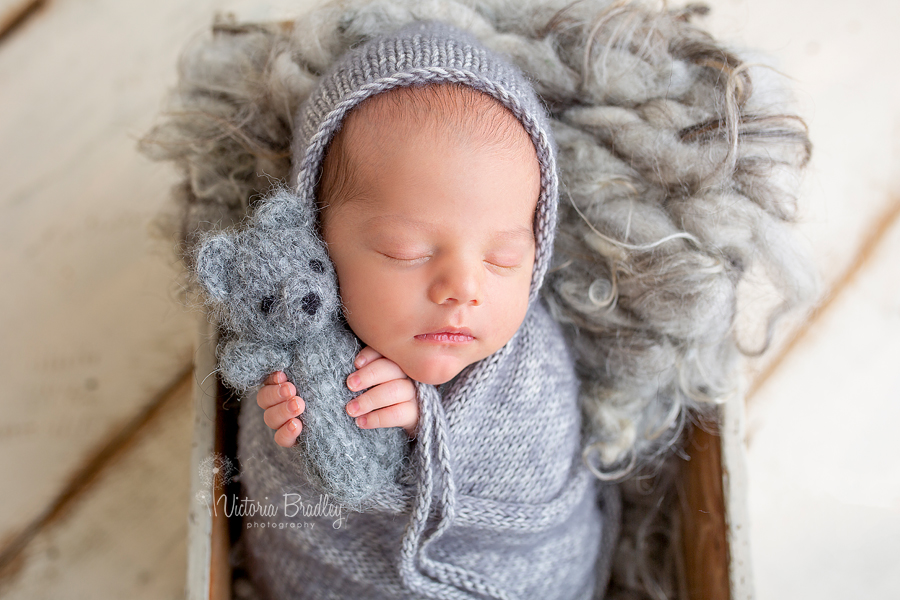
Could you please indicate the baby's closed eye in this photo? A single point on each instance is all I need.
(505, 259)
(509, 266)
(405, 258)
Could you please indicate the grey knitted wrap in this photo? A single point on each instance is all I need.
(499, 504)
(496, 501)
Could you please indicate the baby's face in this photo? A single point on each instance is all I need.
(435, 263)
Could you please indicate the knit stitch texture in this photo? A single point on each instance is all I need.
(502, 505)
(679, 169)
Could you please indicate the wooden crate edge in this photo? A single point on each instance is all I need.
(734, 485)
(200, 522)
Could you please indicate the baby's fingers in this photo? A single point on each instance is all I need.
(271, 394)
(280, 414)
(405, 415)
(286, 435)
(276, 377)
(365, 356)
(375, 372)
(391, 404)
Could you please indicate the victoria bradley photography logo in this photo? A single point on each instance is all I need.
(217, 471)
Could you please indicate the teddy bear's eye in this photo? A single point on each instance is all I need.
(266, 305)
(317, 266)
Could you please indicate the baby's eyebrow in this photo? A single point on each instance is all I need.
(400, 220)
(517, 233)
(520, 232)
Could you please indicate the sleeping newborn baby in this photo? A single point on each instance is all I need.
(431, 166)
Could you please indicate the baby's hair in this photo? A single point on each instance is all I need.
(457, 112)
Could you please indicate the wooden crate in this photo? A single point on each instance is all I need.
(714, 532)
(208, 572)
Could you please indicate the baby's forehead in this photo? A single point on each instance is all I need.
(407, 133)
(448, 111)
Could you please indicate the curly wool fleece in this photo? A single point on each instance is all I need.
(678, 163)
(273, 288)
(497, 462)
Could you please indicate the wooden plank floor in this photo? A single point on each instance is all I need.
(94, 425)
(125, 534)
(93, 331)
(824, 479)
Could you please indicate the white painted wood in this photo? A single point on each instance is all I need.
(125, 536)
(202, 447)
(91, 322)
(91, 327)
(11, 11)
(8, 7)
(734, 486)
(824, 479)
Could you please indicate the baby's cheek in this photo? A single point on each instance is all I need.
(363, 322)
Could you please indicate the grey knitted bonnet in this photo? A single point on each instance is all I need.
(426, 53)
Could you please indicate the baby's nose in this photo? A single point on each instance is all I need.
(459, 282)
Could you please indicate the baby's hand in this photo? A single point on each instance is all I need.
(391, 398)
(390, 403)
(282, 405)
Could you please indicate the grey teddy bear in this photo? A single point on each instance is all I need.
(273, 288)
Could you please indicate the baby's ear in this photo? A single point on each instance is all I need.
(283, 210)
(213, 261)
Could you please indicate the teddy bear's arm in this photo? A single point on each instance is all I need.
(244, 364)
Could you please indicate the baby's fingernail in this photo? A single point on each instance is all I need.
(280, 377)
(292, 425)
(360, 361)
(353, 407)
(294, 406)
(284, 392)
(353, 382)
(361, 421)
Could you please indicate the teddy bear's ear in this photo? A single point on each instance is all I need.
(214, 257)
(283, 209)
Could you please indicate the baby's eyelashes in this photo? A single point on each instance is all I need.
(406, 261)
(503, 267)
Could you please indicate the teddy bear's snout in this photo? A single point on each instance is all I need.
(310, 303)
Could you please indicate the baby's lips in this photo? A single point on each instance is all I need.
(445, 338)
(449, 329)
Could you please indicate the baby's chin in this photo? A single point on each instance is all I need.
(432, 371)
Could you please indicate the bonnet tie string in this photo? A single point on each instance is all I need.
(421, 573)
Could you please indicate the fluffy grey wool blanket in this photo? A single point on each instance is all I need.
(496, 502)
(679, 165)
